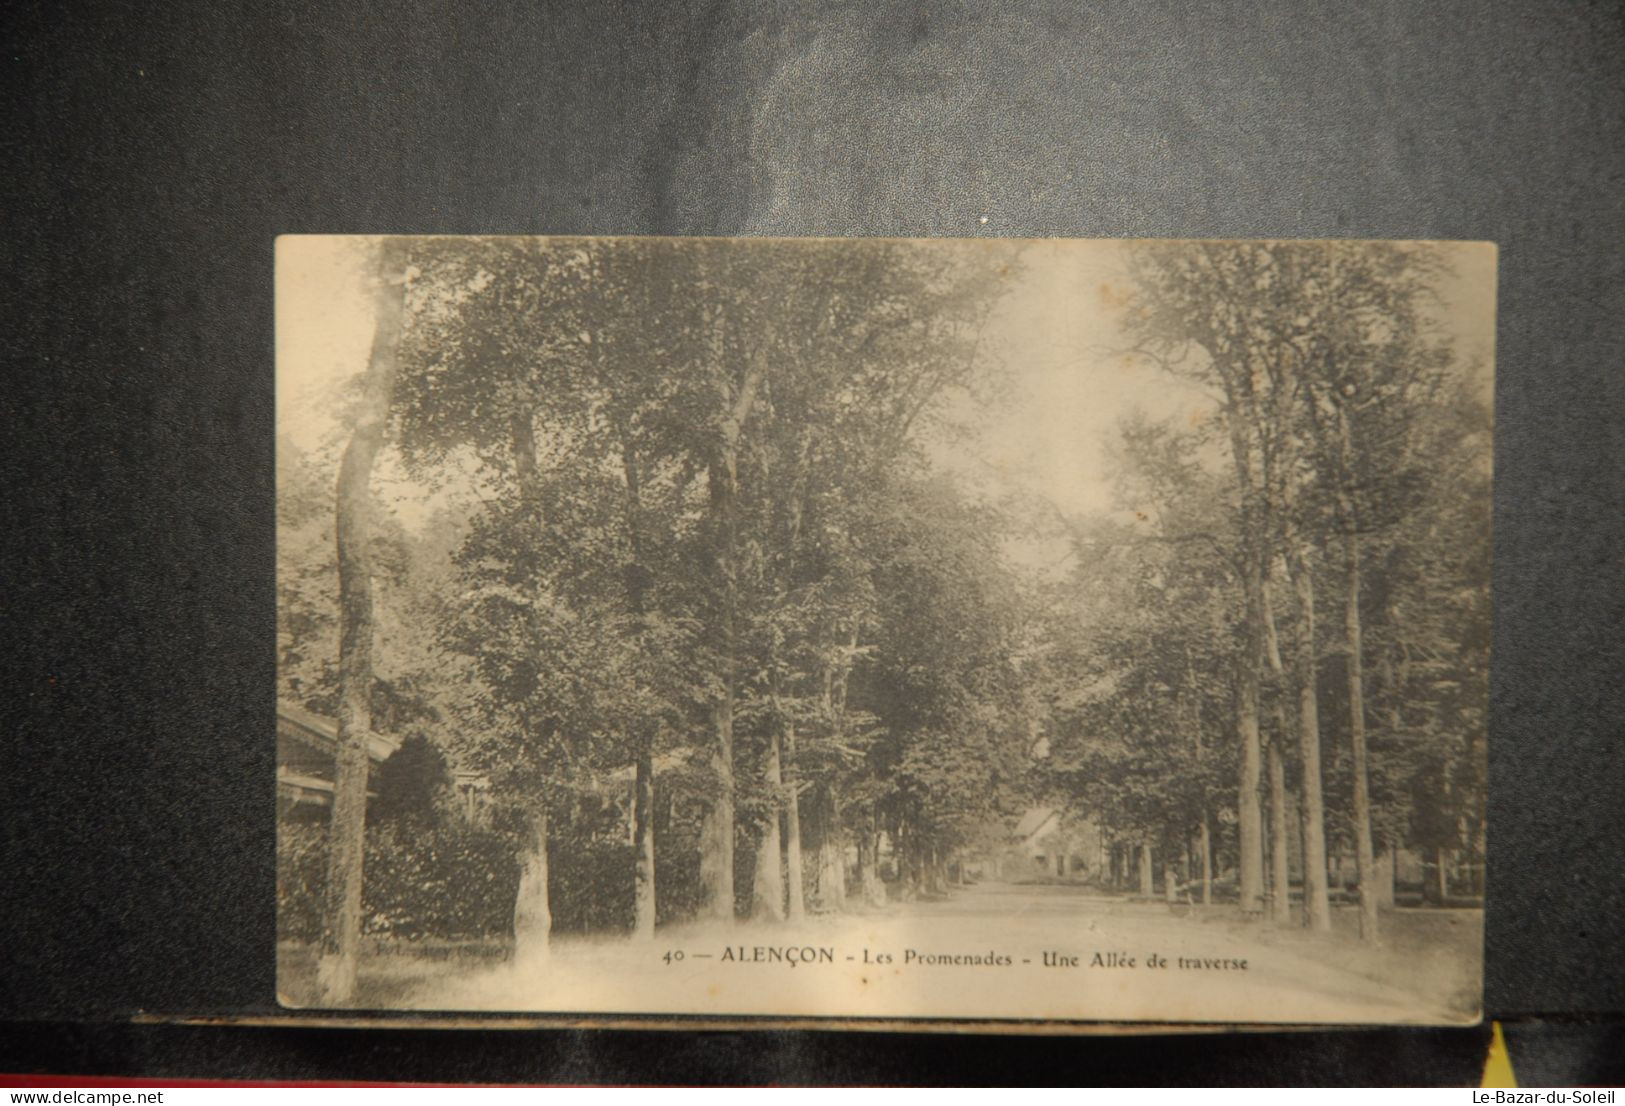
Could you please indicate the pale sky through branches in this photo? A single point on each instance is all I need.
(1056, 332)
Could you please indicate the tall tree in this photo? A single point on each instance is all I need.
(1316, 897)
(1233, 315)
(1206, 299)
(487, 367)
(341, 929)
(1369, 368)
(820, 363)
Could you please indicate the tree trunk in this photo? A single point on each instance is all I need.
(1316, 903)
(1146, 887)
(1207, 862)
(717, 831)
(868, 865)
(1280, 877)
(341, 922)
(532, 909)
(644, 907)
(874, 889)
(797, 908)
(1303, 857)
(717, 865)
(1248, 817)
(1364, 856)
(1480, 856)
(831, 847)
(767, 896)
(643, 847)
(1241, 417)
(1365, 859)
(831, 864)
(1170, 879)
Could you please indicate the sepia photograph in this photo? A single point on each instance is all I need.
(1041, 632)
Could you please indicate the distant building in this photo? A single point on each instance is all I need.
(1048, 842)
(306, 747)
(473, 792)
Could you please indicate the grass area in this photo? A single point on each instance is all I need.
(389, 971)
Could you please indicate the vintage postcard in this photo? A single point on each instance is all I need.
(1042, 631)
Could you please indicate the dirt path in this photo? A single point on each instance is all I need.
(994, 950)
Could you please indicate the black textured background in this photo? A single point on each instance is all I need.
(151, 152)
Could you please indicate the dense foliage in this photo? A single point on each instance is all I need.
(695, 599)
